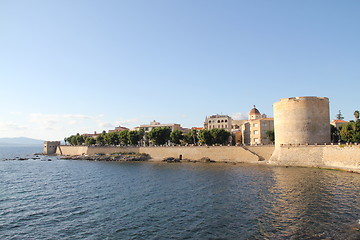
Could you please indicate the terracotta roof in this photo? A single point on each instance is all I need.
(339, 121)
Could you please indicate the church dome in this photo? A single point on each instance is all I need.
(254, 111)
(254, 114)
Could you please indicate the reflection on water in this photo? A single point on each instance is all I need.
(109, 200)
(313, 203)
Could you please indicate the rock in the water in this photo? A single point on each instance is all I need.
(171, 160)
(206, 160)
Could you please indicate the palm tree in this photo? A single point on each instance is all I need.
(356, 114)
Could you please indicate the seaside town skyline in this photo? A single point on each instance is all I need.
(86, 66)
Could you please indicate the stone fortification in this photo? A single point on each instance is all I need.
(302, 120)
(50, 147)
(263, 151)
(220, 153)
(85, 150)
(325, 156)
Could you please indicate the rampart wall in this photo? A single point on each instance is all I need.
(219, 153)
(324, 156)
(264, 151)
(85, 150)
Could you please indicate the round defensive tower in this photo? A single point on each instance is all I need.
(302, 120)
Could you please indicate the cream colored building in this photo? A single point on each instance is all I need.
(249, 132)
(154, 124)
(254, 130)
(218, 121)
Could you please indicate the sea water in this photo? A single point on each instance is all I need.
(69, 199)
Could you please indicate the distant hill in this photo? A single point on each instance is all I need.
(20, 141)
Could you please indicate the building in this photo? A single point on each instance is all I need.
(50, 147)
(236, 124)
(249, 132)
(93, 135)
(254, 130)
(218, 121)
(338, 123)
(154, 124)
(118, 129)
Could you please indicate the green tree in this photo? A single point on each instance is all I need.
(356, 114)
(335, 134)
(160, 135)
(134, 137)
(205, 137)
(111, 138)
(176, 136)
(80, 139)
(220, 135)
(270, 134)
(100, 140)
(72, 140)
(123, 137)
(141, 133)
(347, 132)
(90, 141)
(191, 137)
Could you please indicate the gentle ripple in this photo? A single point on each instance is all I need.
(65, 199)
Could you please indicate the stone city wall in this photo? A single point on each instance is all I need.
(218, 153)
(85, 150)
(264, 151)
(323, 156)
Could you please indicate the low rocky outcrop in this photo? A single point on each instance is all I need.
(171, 160)
(115, 157)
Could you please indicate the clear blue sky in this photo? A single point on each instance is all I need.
(80, 66)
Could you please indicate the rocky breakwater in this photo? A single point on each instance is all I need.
(116, 157)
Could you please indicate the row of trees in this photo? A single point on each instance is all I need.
(349, 132)
(114, 138)
(157, 136)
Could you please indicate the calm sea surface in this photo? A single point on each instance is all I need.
(63, 199)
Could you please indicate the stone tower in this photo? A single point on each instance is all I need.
(302, 120)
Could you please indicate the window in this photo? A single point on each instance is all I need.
(210, 121)
(225, 120)
(218, 121)
(264, 124)
(256, 132)
(256, 125)
(264, 132)
(256, 140)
